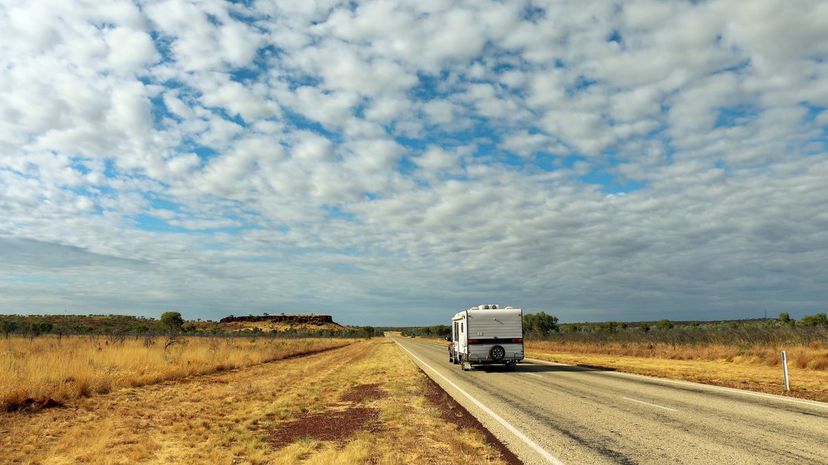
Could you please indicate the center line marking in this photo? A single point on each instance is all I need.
(540, 450)
(651, 405)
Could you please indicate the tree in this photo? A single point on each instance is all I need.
(172, 320)
(9, 327)
(36, 329)
(540, 323)
(785, 317)
(664, 324)
(820, 319)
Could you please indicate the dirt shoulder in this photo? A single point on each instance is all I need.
(364, 403)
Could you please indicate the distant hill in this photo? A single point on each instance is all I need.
(283, 322)
(125, 324)
(80, 324)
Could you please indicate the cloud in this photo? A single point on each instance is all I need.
(644, 160)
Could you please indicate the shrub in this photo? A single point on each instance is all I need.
(820, 319)
(172, 321)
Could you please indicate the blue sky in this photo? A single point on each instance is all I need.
(392, 162)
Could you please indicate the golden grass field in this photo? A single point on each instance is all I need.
(75, 366)
(755, 368)
(813, 356)
(372, 398)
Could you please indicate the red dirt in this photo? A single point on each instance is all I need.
(327, 426)
(305, 353)
(364, 393)
(452, 412)
(318, 320)
(34, 405)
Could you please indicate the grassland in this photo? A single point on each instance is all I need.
(64, 368)
(363, 403)
(754, 367)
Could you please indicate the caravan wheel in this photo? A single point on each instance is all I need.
(497, 353)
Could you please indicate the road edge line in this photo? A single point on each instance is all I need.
(532, 444)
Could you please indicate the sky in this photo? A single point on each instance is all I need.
(393, 162)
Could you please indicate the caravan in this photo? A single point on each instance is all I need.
(486, 334)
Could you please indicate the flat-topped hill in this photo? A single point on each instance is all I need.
(279, 323)
(311, 319)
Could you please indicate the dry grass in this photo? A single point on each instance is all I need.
(231, 418)
(756, 368)
(813, 356)
(70, 367)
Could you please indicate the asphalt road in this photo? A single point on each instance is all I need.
(549, 413)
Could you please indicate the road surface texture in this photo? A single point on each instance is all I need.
(549, 413)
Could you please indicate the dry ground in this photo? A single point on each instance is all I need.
(64, 368)
(743, 374)
(363, 403)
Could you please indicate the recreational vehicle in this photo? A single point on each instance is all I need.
(486, 334)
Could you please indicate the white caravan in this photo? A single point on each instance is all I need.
(486, 334)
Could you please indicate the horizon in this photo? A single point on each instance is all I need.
(333, 316)
(396, 161)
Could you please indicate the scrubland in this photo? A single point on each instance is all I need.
(813, 356)
(363, 403)
(747, 365)
(63, 368)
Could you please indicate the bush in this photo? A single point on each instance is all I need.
(540, 324)
(9, 327)
(172, 321)
(820, 319)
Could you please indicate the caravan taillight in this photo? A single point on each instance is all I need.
(473, 341)
(517, 339)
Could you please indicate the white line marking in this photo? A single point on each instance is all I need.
(651, 405)
(710, 387)
(540, 450)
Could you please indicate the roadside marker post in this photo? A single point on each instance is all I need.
(785, 370)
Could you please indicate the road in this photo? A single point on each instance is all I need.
(549, 413)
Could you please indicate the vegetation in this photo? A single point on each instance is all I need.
(534, 324)
(388, 416)
(427, 331)
(172, 321)
(63, 368)
(80, 324)
(169, 322)
(539, 324)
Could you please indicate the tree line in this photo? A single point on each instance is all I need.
(542, 325)
(168, 323)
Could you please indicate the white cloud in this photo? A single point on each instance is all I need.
(130, 50)
(359, 157)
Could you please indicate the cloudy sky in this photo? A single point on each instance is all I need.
(392, 162)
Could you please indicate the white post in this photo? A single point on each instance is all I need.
(785, 370)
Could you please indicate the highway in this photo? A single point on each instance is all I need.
(549, 413)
